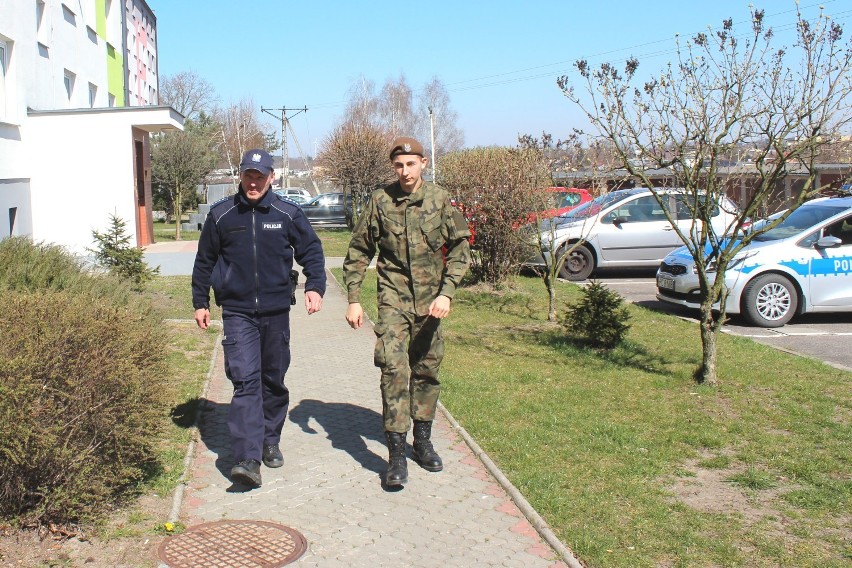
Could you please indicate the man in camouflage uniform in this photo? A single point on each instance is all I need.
(423, 255)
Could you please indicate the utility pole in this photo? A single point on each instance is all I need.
(432, 136)
(285, 122)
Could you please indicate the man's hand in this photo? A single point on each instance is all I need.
(355, 315)
(313, 302)
(202, 318)
(440, 307)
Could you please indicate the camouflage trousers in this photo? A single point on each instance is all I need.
(409, 350)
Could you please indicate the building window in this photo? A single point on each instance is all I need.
(13, 214)
(69, 83)
(93, 95)
(111, 100)
(39, 14)
(4, 67)
(69, 15)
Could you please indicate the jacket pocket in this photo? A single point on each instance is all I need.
(433, 232)
(379, 357)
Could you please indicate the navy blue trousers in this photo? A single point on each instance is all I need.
(257, 356)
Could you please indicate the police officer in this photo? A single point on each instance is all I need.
(246, 252)
(423, 253)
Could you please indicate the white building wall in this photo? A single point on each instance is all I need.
(85, 170)
(66, 41)
(65, 167)
(46, 38)
(74, 194)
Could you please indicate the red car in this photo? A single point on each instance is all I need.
(563, 200)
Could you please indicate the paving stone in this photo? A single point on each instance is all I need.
(329, 488)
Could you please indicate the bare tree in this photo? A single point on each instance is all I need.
(355, 156)
(727, 94)
(362, 106)
(434, 99)
(396, 109)
(403, 111)
(545, 230)
(240, 130)
(187, 93)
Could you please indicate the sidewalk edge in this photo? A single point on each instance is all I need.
(180, 489)
(526, 508)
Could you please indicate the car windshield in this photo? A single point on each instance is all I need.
(799, 221)
(592, 208)
(559, 199)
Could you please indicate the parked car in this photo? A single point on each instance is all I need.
(624, 228)
(296, 194)
(562, 199)
(325, 209)
(802, 265)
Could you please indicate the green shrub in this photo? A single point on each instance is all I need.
(25, 265)
(599, 317)
(115, 252)
(82, 386)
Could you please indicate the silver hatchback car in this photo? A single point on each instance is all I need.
(624, 228)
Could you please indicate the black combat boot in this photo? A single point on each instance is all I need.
(424, 453)
(397, 473)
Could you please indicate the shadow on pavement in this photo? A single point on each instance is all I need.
(213, 429)
(346, 426)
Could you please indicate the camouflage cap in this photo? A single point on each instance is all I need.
(406, 145)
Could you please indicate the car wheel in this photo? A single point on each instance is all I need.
(578, 265)
(770, 301)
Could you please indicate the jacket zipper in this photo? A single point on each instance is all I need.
(254, 250)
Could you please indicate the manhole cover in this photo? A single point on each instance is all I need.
(233, 544)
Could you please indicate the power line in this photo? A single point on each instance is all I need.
(644, 56)
(285, 122)
(568, 65)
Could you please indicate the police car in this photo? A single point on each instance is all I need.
(802, 265)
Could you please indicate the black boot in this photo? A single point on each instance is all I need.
(397, 473)
(424, 453)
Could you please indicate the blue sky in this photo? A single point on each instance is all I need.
(499, 60)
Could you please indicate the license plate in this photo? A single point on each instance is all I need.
(666, 283)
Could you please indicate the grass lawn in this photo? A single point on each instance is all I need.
(166, 232)
(335, 241)
(633, 464)
(189, 361)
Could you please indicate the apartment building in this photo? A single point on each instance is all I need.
(78, 101)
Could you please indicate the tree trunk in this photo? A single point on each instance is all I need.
(551, 293)
(706, 373)
(178, 215)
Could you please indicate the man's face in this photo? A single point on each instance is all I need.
(255, 184)
(408, 168)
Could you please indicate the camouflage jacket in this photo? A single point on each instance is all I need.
(422, 244)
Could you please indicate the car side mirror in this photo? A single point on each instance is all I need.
(828, 242)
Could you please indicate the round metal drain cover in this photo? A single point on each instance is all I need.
(233, 544)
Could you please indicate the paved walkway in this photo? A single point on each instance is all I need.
(330, 486)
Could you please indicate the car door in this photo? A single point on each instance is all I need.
(830, 274)
(337, 213)
(636, 231)
(326, 205)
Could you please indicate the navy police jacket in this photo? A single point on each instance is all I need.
(246, 253)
